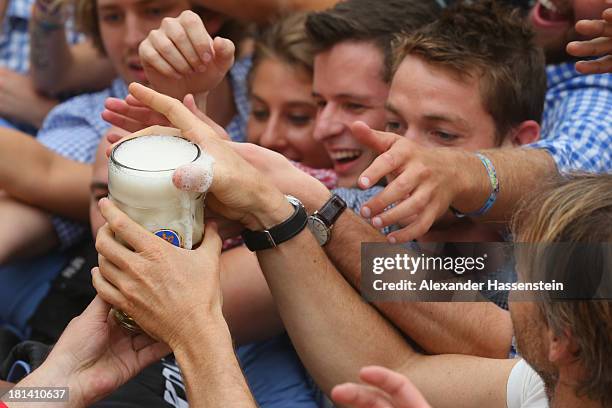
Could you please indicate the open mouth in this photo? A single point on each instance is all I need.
(345, 156)
(553, 11)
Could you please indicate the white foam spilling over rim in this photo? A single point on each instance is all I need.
(155, 153)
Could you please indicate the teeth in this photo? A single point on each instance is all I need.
(549, 5)
(345, 154)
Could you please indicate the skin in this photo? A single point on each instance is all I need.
(283, 113)
(341, 102)
(600, 45)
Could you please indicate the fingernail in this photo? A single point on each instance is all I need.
(377, 222)
(206, 57)
(392, 240)
(365, 181)
(366, 212)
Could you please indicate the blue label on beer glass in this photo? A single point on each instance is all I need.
(169, 236)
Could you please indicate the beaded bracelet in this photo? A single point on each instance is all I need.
(494, 189)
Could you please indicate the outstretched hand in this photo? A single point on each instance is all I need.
(600, 45)
(384, 389)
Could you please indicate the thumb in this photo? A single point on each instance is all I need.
(190, 102)
(98, 309)
(378, 141)
(195, 177)
(212, 243)
(224, 51)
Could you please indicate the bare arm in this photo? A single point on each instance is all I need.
(262, 11)
(51, 182)
(248, 306)
(26, 231)
(57, 67)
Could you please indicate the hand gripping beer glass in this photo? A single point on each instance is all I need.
(140, 184)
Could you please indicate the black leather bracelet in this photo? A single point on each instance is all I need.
(271, 238)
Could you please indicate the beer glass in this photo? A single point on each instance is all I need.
(140, 184)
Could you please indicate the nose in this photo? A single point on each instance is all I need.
(135, 31)
(273, 136)
(327, 123)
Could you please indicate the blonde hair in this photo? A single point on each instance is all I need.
(574, 211)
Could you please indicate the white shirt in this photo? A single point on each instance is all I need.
(525, 388)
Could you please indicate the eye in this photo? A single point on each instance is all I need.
(111, 17)
(299, 120)
(351, 106)
(321, 103)
(444, 137)
(394, 126)
(260, 115)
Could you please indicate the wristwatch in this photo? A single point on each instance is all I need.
(271, 238)
(321, 222)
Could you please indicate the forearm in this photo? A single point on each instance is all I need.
(329, 324)
(519, 170)
(248, 306)
(437, 327)
(27, 231)
(210, 368)
(50, 181)
(262, 11)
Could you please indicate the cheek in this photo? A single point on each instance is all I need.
(589, 9)
(254, 130)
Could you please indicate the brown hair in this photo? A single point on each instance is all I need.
(490, 41)
(286, 41)
(574, 212)
(372, 21)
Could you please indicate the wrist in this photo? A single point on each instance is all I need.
(273, 209)
(473, 186)
(209, 334)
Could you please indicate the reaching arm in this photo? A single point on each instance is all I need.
(51, 182)
(57, 67)
(262, 11)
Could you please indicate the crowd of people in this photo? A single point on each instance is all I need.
(398, 121)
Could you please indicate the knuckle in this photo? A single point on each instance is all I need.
(190, 19)
(389, 158)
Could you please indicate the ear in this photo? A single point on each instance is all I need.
(525, 133)
(562, 348)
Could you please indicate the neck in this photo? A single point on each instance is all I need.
(564, 396)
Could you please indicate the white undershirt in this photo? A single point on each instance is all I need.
(525, 388)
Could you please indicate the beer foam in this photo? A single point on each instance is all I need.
(196, 176)
(155, 153)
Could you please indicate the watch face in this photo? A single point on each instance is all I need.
(318, 229)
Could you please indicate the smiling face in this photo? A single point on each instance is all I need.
(124, 24)
(283, 113)
(553, 22)
(348, 87)
(435, 108)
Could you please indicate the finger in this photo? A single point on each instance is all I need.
(402, 392)
(124, 228)
(399, 189)
(359, 396)
(190, 103)
(212, 243)
(194, 177)
(113, 275)
(122, 121)
(151, 353)
(132, 101)
(397, 155)
(595, 47)
(177, 113)
(106, 291)
(167, 50)
(198, 36)
(181, 40)
(141, 113)
(108, 247)
(152, 59)
(97, 310)
(413, 230)
(224, 52)
(379, 141)
(412, 206)
(594, 28)
(600, 66)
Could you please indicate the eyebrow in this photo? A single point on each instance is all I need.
(114, 5)
(292, 104)
(389, 106)
(448, 119)
(361, 98)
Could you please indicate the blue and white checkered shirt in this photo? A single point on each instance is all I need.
(15, 40)
(577, 122)
(74, 128)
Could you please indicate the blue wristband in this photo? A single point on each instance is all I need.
(494, 189)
